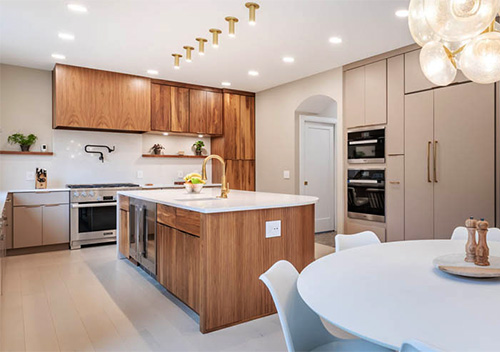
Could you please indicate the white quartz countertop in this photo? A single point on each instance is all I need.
(207, 201)
(143, 186)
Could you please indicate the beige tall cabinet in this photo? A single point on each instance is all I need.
(449, 159)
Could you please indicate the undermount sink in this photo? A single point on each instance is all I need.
(196, 199)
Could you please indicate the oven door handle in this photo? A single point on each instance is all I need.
(366, 141)
(93, 205)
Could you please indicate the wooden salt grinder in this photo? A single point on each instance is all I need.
(470, 246)
(482, 250)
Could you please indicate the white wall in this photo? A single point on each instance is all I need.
(277, 133)
(26, 107)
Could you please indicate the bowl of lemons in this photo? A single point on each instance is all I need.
(193, 183)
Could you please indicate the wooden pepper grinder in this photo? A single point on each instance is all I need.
(482, 250)
(470, 246)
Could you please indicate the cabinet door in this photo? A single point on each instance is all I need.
(354, 88)
(166, 256)
(179, 107)
(214, 113)
(419, 134)
(395, 198)
(241, 174)
(123, 244)
(27, 226)
(395, 131)
(464, 120)
(376, 93)
(160, 107)
(55, 224)
(232, 113)
(197, 111)
(245, 142)
(353, 227)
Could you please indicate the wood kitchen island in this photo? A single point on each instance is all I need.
(210, 252)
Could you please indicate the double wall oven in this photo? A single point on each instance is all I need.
(366, 194)
(93, 212)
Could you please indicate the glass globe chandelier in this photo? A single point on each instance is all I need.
(457, 35)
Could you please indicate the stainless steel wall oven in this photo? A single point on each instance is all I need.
(366, 146)
(366, 194)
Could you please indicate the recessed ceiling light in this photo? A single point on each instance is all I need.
(165, 133)
(77, 8)
(335, 40)
(152, 72)
(402, 13)
(226, 84)
(58, 56)
(66, 36)
(288, 59)
(253, 73)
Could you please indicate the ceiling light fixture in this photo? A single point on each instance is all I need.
(58, 56)
(226, 84)
(457, 34)
(251, 6)
(288, 59)
(176, 61)
(66, 36)
(402, 13)
(152, 72)
(253, 73)
(188, 53)
(215, 36)
(335, 40)
(77, 8)
(232, 20)
(201, 47)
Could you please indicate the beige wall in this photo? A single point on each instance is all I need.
(277, 133)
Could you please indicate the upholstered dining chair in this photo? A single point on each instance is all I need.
(343, 242)
(460, 233)
(302, 327)
(417, 346)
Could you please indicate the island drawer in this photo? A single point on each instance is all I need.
(181, 219)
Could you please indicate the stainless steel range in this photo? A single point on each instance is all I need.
(93, 212)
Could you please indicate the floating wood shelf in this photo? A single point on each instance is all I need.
(174, 156)
(12, 152)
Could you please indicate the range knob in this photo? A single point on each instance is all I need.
(76, 194)
(84, 194)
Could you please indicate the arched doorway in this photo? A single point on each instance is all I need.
(316, 121)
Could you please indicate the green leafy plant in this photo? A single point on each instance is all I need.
(198, 146)
(24, 141)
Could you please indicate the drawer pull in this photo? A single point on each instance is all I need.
(394, 182)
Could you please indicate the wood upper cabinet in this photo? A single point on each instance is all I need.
(245, 145)
(160, 107)
(84, 98)
(214, 113)
(198, 111)
(179, 103)
(241, 174)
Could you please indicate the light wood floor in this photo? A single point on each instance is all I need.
(87, 300)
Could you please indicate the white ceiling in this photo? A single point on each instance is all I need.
(133, 36)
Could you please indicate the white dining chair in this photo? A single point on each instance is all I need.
(460, 233)
(417, 346)
(343, 242)
(302, 327)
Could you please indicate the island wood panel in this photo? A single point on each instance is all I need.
(124, 202)
(123, 243)
(214, 113)
(93, 99)
(160, 107)
(178, 264)
(165, 215)
(235, 253)
(197, 111)
(179, 100)
(182, 219)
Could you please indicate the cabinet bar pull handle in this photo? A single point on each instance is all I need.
(429, 144)
(394, 182)
(435, 161)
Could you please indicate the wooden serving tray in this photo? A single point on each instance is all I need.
(456, 265)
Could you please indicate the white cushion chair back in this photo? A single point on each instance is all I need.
(302, 328)
(417, 346)
(460, 233)
(343, 242)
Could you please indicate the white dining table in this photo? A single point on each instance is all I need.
(388, 293)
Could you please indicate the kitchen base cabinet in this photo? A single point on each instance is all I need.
(395, 198)
(55, 227)
(123, 243)
(357, 226)
(28, 226)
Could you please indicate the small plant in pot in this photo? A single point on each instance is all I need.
(156, 149)
(198, 147)
(24, 141)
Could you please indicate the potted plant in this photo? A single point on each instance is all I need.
(198, 147)
(156, 149)
(24, 141)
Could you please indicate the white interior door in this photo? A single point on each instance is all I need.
(317, 176)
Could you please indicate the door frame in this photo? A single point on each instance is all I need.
(332, 121)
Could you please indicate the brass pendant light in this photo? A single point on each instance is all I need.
(215, 36)
(232, 20)
(252, 6)
(201, 49)
(176, 61)
(188, 53)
